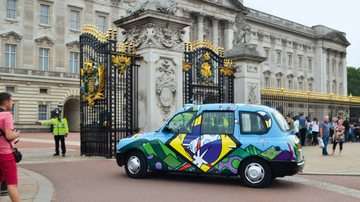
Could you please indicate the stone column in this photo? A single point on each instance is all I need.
(200, 24)
(344, 72)
(159, 41)
(247, 78)
(215, 31)
(229, 36)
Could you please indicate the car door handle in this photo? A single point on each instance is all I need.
(232, 147)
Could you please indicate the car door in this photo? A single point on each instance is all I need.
(210, 141)
(160, 156)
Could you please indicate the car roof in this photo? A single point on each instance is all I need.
(228, 106)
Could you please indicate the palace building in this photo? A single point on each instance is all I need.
(40, 53)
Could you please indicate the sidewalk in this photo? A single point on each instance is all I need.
(346, 164)
(32, 187)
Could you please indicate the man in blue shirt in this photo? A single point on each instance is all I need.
(325, 134)
(303, 126)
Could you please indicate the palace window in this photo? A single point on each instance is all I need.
(11, 9)
(310, 64)
(43, 91)
(290, 84)
(42, 112)
(267, 82)
(10, 55)
(301, 85)
(74, 20)
(290, 60)
(44, 14)
(74, 62)
(10, 89)
(278, 57)
(310, 87)
(44, 59)
(333, 65)
(278, 83)
(102, 24)
(300, 62)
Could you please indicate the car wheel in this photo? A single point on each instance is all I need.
(255, 173)
(135, 165)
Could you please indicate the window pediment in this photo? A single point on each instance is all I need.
(11, 35)
(45, 40)
(73, 44)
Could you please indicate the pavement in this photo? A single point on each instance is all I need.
(331, 173)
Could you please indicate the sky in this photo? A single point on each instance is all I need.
(340, 15)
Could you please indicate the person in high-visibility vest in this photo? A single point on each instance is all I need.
(60, 131)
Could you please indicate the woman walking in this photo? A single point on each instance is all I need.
(315, 131)
(339, 131)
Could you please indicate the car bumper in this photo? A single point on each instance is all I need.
(120, 159)
(286, 168)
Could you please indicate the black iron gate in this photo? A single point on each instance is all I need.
(207, 76)
(108, 92)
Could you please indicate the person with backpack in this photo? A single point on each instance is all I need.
(8, 168)
(60, 131)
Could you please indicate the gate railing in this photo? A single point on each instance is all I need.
(314, 104)
(207, 75)
(108, 91)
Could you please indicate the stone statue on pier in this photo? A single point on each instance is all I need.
(242, 31)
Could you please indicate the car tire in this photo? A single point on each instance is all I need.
(255, 173)
(135, 165)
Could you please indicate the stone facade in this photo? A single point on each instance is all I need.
(298, 57)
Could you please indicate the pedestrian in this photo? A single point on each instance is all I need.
(315, 131)
(339, 136)
(303, 128)
(325, 134)
(60, 131)
(332, 126)
(8, 168)
(296, 126)
(347, 129)
(290, 122)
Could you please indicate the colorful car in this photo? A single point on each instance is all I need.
(250, 141)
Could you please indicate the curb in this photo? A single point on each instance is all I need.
(331, 174)
(46, 188)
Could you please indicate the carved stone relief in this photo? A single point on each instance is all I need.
(165, 86)
(162, 6)
(252, 69)
(252, 95)
(155, 35)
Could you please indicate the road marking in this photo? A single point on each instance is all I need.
(326, 186)
(73, 143)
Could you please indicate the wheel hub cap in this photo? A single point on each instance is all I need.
(254, 173)
(133, 165)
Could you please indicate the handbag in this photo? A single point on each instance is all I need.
(321, 142)
(17, 154)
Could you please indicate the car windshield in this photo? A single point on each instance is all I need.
(280, 120)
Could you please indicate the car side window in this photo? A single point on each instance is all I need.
(217, 123)
(252, 123)
(183, 122)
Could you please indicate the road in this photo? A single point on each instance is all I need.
(77, 179)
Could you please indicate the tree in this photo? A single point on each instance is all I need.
(353, 75)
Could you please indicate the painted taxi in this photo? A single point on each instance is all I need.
(250, 141)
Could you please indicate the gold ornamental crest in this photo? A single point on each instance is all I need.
(92, 82)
